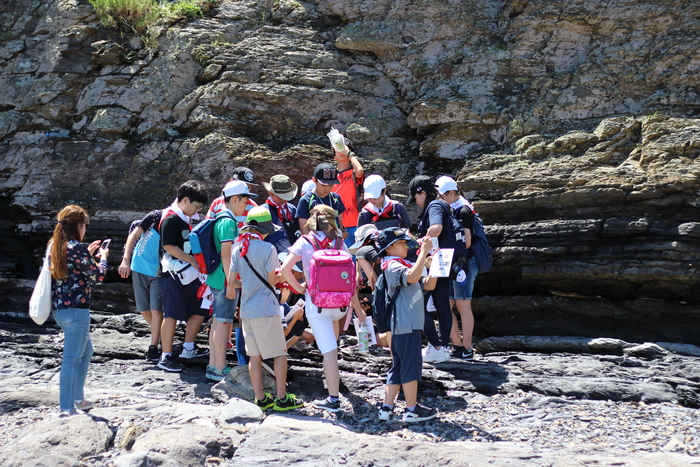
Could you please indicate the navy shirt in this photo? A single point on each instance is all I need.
(311, 199)
(280, 239)
(439, 212)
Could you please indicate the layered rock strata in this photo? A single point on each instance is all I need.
(537, 107)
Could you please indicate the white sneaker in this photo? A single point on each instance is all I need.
(385, 413)
(448, 352)
(433, 355)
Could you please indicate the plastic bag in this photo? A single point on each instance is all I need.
(337, 140)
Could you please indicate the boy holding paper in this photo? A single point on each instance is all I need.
(407, 320)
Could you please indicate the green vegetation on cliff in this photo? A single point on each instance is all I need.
(135, 16)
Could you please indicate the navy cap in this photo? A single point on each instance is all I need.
(326, 174)
(389, 236)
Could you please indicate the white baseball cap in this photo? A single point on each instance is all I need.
(374, 184)
(361, 235)
(237, 187)
(445, 184)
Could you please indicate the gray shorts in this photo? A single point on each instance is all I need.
(146, 292)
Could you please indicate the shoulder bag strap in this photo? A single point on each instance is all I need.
(267, 284)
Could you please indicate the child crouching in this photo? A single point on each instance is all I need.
(407, 321)
(255, 261)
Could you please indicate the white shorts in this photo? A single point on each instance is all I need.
(321, 326)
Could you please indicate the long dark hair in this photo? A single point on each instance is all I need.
(430, 196)
(70, 218)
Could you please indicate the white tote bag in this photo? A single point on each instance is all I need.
(40, 303)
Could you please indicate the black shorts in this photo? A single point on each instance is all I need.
(407, 361)
(180, 301)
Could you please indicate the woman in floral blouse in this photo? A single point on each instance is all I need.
(74, 272)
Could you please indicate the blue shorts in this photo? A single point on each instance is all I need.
(407, 361)
(223, 309)
(180, 301)
(464, 291)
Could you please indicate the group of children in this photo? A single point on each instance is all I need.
(270, 247)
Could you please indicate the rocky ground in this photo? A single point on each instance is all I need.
(565, 401)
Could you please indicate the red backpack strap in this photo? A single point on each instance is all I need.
(339, 242)
(166, 213)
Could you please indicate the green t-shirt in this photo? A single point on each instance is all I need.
(225, 230)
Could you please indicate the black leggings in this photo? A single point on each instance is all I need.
(441, 299)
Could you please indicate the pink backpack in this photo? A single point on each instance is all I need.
(332, 275)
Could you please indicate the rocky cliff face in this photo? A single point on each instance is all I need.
(569, 123)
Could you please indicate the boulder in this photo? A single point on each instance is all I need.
(59, 441)
(237, 384)
(183, 444)
(648, 350)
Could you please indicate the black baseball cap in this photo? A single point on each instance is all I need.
(388, 237)
(326, 174)
(243, 174)
(419, 184)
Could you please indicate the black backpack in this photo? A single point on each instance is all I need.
(382, 305)
(480, 244)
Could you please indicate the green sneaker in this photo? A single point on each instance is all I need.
(266, 403)
(290, 402)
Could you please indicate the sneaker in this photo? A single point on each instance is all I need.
(343, 341)
(433, 355)
(169, 363)
(419, 414)
(465, 354)
(267, 366)
(84, 405)
(216, 375)
(66, 413)
(290, 402)
(194, 353)
(265, 403)
(326, 404)
(385, 413)
(153, 355)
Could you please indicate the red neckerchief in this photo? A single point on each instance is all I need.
(389, 259)
(376, 214)
(385, 213)
(324, 243)
(245, 239)
(283, 212)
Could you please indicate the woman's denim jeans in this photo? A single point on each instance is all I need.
(77, 350)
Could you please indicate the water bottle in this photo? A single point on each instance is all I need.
(363, 339)
(58, 134)
(337, 139)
